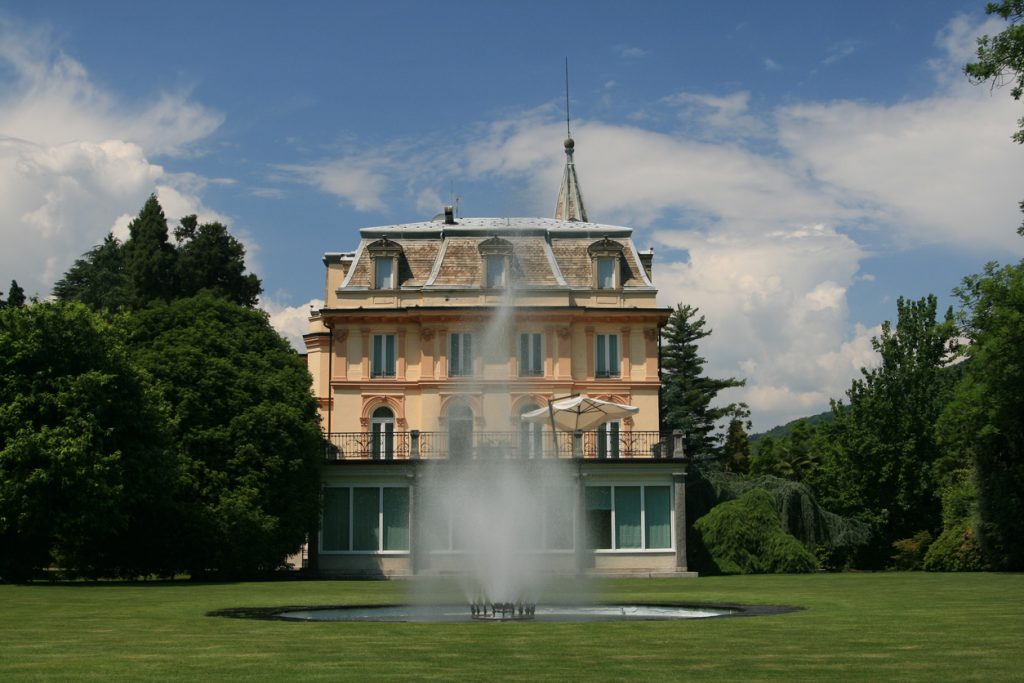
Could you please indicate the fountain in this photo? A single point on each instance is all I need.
(497, 513)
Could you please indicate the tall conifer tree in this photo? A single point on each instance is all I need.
(686, 392)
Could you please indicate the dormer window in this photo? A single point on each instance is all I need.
(496, 254)
(606, 256)
(384, 273)
(496, 271)
(384, 257)
(605, 272)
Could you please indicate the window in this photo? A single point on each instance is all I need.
(496, 267)
(608, 440)
(630, 517)
(605, 272)
(460, 432)
(382, 434)
(460, 357)
(607, 355)
(531, 356)
(365, 519)
(544, 522)
(531, 435)
(383, 360)
(384, 273)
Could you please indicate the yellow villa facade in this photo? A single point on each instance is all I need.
(436, 337)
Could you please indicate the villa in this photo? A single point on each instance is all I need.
(435, 337)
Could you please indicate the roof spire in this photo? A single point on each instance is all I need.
(569, 206)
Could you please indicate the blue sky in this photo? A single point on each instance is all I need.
(797, 166)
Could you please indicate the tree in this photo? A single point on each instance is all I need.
(210, 258)
(885, 440)
(796, 456)
(984, 423)
(83, 473)
(149, 259)
(244, 427)
(736, 451)
(97, 279)
(16, 295)
(1001, 59)
(147, 267)
(686, 393)
(745, 536)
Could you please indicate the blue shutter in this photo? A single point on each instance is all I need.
(453, 355)
(389, 369)
(613, 355)
(377, 362)
(538, 360)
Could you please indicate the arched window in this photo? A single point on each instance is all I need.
(382, 434)
(460, 431)
(531, 435)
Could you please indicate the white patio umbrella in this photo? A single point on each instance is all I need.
(579, 413)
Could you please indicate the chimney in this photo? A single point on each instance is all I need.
(646, 258)
(449, 215)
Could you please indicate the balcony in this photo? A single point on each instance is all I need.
(413, 445)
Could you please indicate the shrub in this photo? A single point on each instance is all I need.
(910, 551)
(745, 536)
(955, 550)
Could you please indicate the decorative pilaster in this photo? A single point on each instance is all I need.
(364, 334)
(590, 352)
(679, 495)
(651, 352)
(340, 351)
(627, 351)
(400, 355)
(564, 370)
(427, 353)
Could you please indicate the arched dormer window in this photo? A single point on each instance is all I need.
(384, 257)
(497, 257)
(606, 257)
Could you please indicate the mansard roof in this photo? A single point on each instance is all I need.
(545, 252)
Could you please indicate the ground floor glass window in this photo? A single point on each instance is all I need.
(630, 517)
(365, 519)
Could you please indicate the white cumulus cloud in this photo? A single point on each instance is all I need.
(74, 161)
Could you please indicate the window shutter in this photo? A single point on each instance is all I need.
(377, 365)
(538, 361)
(453, 355)
(613, 355)
(602, 360)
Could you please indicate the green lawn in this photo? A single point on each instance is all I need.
(867, 627)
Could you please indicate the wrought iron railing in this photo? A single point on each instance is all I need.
(500, 445)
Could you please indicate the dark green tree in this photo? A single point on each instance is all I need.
(210, 258)
(686, 392)
(745, 536)
(16, 295)
(736, 451)
(984, 423)
(147, 267)
(149, 258)
(796, 456)
(98, 278)
(1001, 59)
(84, 480)
(884, 437)
(245, 429)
